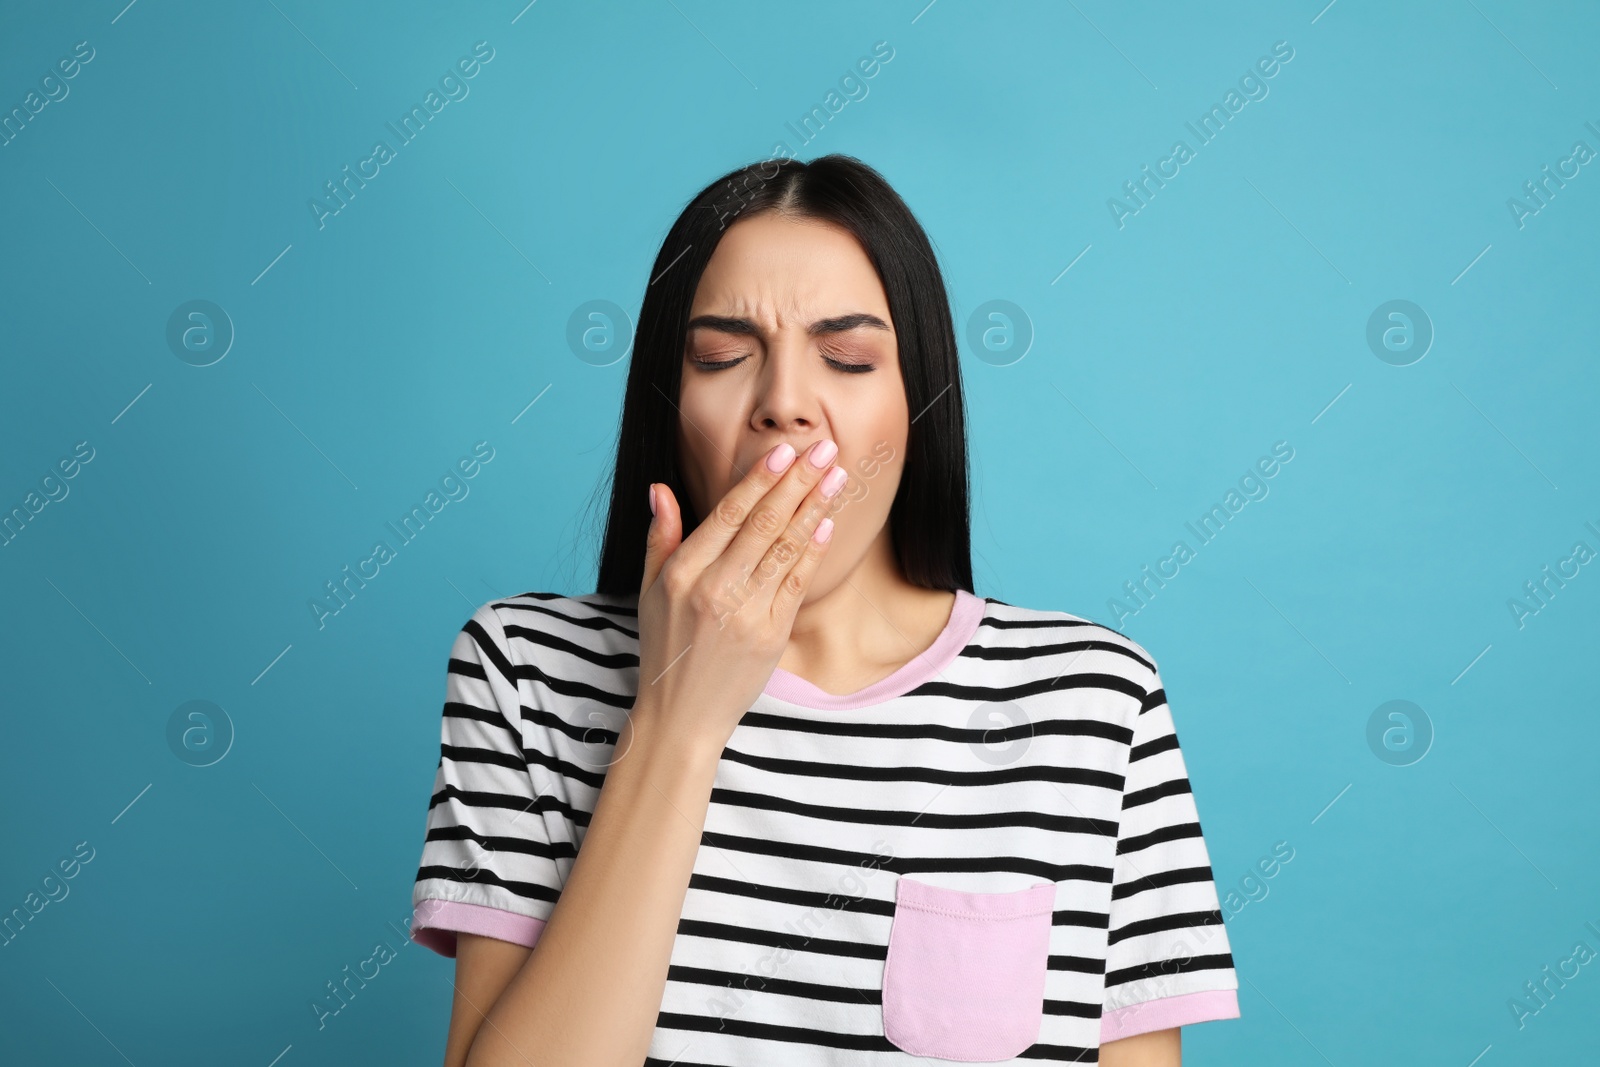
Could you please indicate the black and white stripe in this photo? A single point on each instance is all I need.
(816, 813)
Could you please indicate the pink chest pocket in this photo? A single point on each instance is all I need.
(965, 972)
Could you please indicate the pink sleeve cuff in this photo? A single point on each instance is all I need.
(1165, 1013)
(445, 918)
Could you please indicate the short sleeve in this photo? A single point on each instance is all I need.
(488, 861)
(1168, 961)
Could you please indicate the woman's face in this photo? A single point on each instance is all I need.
(796, 311)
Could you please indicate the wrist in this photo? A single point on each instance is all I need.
(654, 739)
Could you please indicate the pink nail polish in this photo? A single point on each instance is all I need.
(652, 498)
(833, 481)
(822, 453)
(780, 458)
(824, 531)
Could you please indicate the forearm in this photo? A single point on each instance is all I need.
(590, 991)
(1158, 1048)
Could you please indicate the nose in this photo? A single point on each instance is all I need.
(786, 396)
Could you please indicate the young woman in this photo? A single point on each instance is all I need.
(783, 790)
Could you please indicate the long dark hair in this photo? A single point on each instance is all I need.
(928, 521)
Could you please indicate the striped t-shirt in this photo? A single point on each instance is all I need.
(992, 855)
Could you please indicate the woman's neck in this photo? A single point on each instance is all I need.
(871, 623)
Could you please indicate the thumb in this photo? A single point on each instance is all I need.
(665, 533)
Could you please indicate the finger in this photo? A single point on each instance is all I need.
(820, 504)
(771, 515)
(717, 530)
(664, 536)
(790, 590)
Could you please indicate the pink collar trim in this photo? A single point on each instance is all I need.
(966, 614)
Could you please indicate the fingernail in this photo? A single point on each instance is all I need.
(779, 458)
(822, 453)
(652, 498)
(824, 531)
(833, 481)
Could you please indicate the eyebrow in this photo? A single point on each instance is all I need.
(744, 327)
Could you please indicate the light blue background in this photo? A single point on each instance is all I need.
(1228, 314)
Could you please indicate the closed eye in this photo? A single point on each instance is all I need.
(848, 368)
(704, 364)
